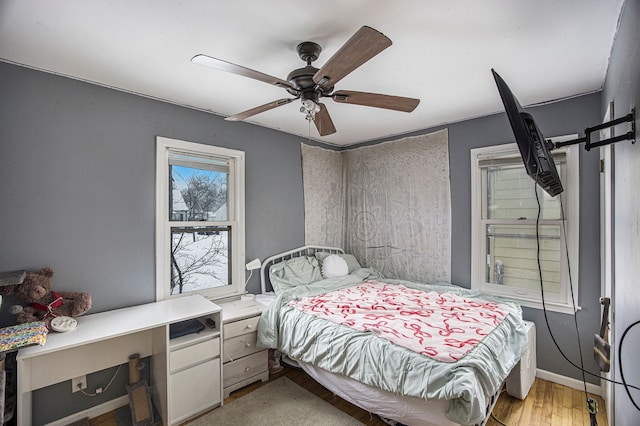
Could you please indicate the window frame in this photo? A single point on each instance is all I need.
(570, 199)
(235, 219)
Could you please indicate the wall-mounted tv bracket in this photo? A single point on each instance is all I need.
(630, 135)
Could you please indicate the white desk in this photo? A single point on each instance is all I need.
(107, 339)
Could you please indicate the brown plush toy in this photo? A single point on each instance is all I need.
(44, 303)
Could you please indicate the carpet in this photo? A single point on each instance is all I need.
(281, 402)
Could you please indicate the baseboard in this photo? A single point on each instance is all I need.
(568, 381)
(92, 412)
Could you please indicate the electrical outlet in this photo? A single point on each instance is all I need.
(78, 383)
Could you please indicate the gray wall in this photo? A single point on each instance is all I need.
(77, 190)
(77, 187)
(622, 86)
(77, 173)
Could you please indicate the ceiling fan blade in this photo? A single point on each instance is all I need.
(323, 122)
(257, 110)
(239, 70)
(397, 103)
(362, 46)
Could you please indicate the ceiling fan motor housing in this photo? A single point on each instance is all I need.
(302, 78)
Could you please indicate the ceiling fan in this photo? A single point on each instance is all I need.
(309, 84)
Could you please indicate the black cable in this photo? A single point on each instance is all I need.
(544, 310)
(573, 297)
(624, 382)
(574, 309)
(591, 403)
(544, 306)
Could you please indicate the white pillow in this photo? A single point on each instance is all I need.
(334, 266)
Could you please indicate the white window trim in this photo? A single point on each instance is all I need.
(571, 205)
(236, 197)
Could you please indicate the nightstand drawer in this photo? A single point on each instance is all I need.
(237, 328)
(193, 354)
(243, 368)
(237, 347)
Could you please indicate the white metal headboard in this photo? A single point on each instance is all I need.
(265, 282)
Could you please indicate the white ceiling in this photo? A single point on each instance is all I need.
(442, 53)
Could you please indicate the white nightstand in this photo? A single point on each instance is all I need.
(243, 363)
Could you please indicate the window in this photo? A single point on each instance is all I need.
(505, 236)
(199, 220)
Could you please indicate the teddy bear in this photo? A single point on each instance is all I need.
(43, 303)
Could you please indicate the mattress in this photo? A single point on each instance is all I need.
(407, 410)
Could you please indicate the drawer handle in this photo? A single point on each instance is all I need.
(248, 345)
(249, 326)
(247, 369)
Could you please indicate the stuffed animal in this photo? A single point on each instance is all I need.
(43, 303)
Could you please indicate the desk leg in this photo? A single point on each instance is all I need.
(3, 385)
(23, 409)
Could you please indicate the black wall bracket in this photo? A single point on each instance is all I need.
(630, 135)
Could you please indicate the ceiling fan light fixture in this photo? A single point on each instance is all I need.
(309, 108)
(310, 105)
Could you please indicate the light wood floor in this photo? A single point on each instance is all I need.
(547, 404)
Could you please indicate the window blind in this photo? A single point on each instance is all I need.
(185, 159)
(509, 159)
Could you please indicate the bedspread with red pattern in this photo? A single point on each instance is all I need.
(443, 326)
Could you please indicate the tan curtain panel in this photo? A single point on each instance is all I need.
(324, 190)
(395, 205)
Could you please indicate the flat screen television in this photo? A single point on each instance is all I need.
(534, 149)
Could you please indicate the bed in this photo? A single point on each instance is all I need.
(419, 354)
